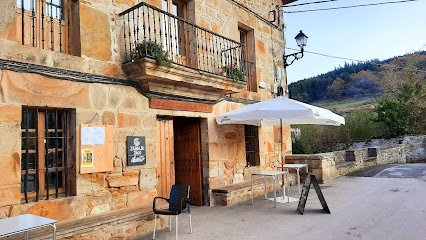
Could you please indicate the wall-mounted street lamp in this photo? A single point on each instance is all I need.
(301, 40)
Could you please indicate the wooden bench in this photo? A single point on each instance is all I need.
(235, 193)
(94, 224)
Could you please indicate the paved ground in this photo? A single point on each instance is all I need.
(394, 171)
(388, 205)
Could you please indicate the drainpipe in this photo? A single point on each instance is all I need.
(284, 92)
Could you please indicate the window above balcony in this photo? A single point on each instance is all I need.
(169, 55)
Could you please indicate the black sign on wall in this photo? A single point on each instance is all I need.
(305, 191)
(136, 152)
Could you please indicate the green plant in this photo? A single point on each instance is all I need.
(394, 115)
(318, 138)
(234, 72)
(150, 49)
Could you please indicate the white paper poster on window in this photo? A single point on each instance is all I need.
(92, 136)
(87, 158)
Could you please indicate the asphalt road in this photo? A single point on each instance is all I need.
(390, 204)
(417, 171)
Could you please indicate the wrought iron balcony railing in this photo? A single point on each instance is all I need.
(45, 24)
(153, 33)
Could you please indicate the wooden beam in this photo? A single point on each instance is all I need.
(179, 105)
(285, 2)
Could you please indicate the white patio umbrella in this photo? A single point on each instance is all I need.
(280, 110)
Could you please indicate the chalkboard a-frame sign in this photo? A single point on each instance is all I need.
(311, 179)
(136, 152)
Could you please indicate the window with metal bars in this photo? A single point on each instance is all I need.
(44, 142)
(252, 145)
(45, 24)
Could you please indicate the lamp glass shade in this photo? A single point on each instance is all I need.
(301, 39)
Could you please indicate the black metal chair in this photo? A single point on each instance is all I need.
(179, 202)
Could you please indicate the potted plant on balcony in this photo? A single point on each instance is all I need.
(150, 49)
(234, 73)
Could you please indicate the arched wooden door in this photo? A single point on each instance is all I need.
(187, 149)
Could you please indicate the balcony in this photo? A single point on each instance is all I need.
(170, 56)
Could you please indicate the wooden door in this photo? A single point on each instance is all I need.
(188, 156)
(165, 157)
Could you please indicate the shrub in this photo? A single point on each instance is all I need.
(151, 49)
(360, 125)
(234, 72)
(394, 115)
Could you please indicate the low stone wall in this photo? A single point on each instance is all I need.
(416, 144)
(327, 166)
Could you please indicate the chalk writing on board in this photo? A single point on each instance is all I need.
(136, 150)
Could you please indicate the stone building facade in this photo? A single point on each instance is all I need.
(68, 63)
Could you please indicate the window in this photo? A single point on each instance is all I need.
(252, 145)
(175, 7)
(248, 55)
(45, 24)
(44, 142)
(243, 40)
(174, 32)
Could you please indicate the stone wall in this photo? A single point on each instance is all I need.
(100, 52)
(122, 107)
(416, 143)
(327, 166)
(101, 40)
(227, 159)
(225, 17)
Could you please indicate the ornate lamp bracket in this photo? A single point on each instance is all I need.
(289, 59)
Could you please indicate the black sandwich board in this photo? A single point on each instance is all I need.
(310, 178)
(136, 152)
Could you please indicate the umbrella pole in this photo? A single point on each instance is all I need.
(282, 155)
(281, 143)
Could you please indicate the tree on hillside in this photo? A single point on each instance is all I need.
(364, 83)
(312, 89)
(402, 109)
(395, 116)
(336, 89)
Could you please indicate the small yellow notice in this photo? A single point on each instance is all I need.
(87, 158)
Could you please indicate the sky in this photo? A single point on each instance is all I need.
(363, 33)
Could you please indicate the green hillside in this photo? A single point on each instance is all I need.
(356, 81)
